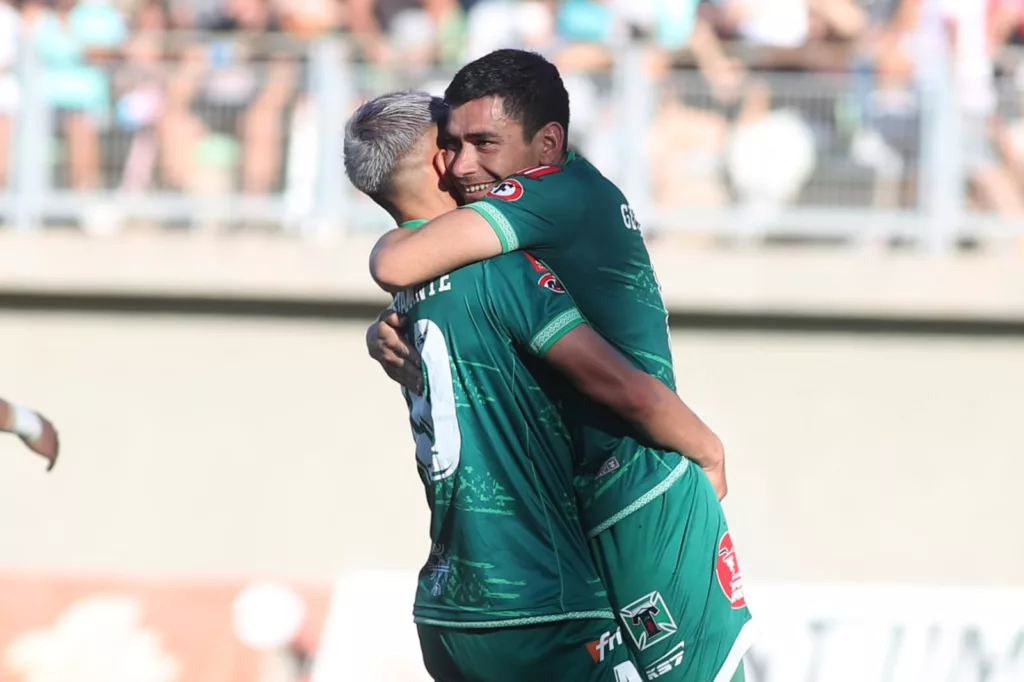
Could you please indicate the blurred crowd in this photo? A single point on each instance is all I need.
(768, 101)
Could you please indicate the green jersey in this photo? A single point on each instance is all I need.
(579, 223)
(493, 452)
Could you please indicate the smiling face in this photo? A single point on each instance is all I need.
(484, 146)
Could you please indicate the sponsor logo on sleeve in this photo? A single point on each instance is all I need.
(728, 571)
(599, 648)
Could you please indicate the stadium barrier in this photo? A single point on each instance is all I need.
(814, 633)
(258, 267)
(67, 629)
(118, 629)
(225, 131)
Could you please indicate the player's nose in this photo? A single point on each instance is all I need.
(464, 164)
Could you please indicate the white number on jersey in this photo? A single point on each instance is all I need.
(435, 425)
(629, 218)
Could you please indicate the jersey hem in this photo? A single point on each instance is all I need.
(518, 622)
(642, 501)
(553, 331)
(501, 225)
(744, 640)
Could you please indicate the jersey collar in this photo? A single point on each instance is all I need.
(413, 224)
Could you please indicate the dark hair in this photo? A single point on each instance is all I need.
(529, 86)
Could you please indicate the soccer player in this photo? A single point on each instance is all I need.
(510, 591)
(34, 429)
(657, 529)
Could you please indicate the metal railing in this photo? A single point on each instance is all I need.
(225, 133)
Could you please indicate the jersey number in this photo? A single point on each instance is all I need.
(435, 425)
(629, 218)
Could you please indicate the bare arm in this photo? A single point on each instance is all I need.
(603, 374)
(35, 430)
(402, 258)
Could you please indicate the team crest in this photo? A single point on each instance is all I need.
(648, 620)
(547, 279)
(507, 190)
(551, 282)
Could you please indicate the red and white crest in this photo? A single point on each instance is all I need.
(507, 190)
(728, 571)
(549, 281)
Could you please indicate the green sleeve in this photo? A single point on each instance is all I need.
(529, 302)
(533, 212)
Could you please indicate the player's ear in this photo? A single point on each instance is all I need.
(551, 141)
(441, 164)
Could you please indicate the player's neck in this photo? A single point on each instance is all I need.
(425, 208)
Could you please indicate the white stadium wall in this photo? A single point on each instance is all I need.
(863, 468)
(202, 446)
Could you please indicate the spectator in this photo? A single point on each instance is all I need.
(371, 21)
(71, 40)
(962, 30)
(180, 129)
(771, 23)
(887, 102)
(494, 24)
(139, 87)
(770, 157)
(242, 15)
(10, 90)
(1007, 26)
(240, 95)
(840, 20)
(263, 129)
(308, 18)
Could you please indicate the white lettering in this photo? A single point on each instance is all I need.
(838, 650)
(666, 663)
(629, 218)
(608, 641)
(405, 300)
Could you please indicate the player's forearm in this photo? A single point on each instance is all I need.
(605, 376)
(672, 425)
(386, 266)
(404, 258)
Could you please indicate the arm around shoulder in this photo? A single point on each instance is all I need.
(599, 371)
(405, 257)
